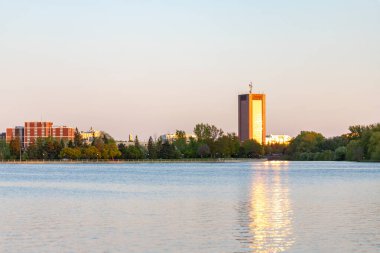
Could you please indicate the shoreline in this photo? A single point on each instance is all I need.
(135, 161)
(229, 160)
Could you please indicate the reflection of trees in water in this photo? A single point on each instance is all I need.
(266, 218)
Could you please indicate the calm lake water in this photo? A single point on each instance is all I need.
(226, 207)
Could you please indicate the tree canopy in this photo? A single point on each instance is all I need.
(360, 143)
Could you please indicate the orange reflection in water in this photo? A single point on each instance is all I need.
(269, 215)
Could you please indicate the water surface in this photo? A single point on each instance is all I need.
(195, 207)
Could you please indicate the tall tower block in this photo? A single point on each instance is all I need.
(252, 118)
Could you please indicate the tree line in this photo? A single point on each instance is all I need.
(210, 142)
(103, 147)
(362, 143)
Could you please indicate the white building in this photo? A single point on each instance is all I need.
(277, 139)
(172, 137)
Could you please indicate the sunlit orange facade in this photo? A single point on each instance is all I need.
(252, 117)
(35, 130)
(31, 131)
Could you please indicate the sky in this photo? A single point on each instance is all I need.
(150, 67)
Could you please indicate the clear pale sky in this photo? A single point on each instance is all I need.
(150, 67)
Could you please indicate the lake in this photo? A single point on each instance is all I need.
(190, 207)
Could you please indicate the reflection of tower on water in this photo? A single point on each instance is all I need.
(266, 218)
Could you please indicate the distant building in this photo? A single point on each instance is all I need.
(172, 137)
(278, 139)
(35, 130)
(15, 133)
(252, 117)
(2, 136)
(31, 131)
(90, 135)
(63, 133)
(131, 143)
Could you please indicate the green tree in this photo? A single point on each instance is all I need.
(78, 142)
(363, 134)
(222, 147)
(191, 150)
(4, 150)
(137, 142)
(41, 154)
(180, 143)
(202, 131)
(325, 155)
(333, 143)
(356, 132)
(91, 153)
(355, 151)
(123, 150)
(305, 142)
(180, 134)
(32, 152)
(203, 151)
(105, 137)
(70, 144)
(113, 151)
(62, 144)
(340, 153)
(52, 148)
(152, 151)
(15, 147)
(227, 146)
(70, 153)
(206, 132)
(133, 153)
(374, 146)
(275, 148)
(251, 149)
(99, 144)
(168, 151)
(105, 153)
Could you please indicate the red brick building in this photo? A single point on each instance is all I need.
(63, 133)
(34, 130)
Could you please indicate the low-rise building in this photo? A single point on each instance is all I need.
(277, 139)
(90, 135)
(63, 133)
(172, 137)
(131, 143)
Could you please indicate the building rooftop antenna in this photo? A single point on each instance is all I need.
(250, 87)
